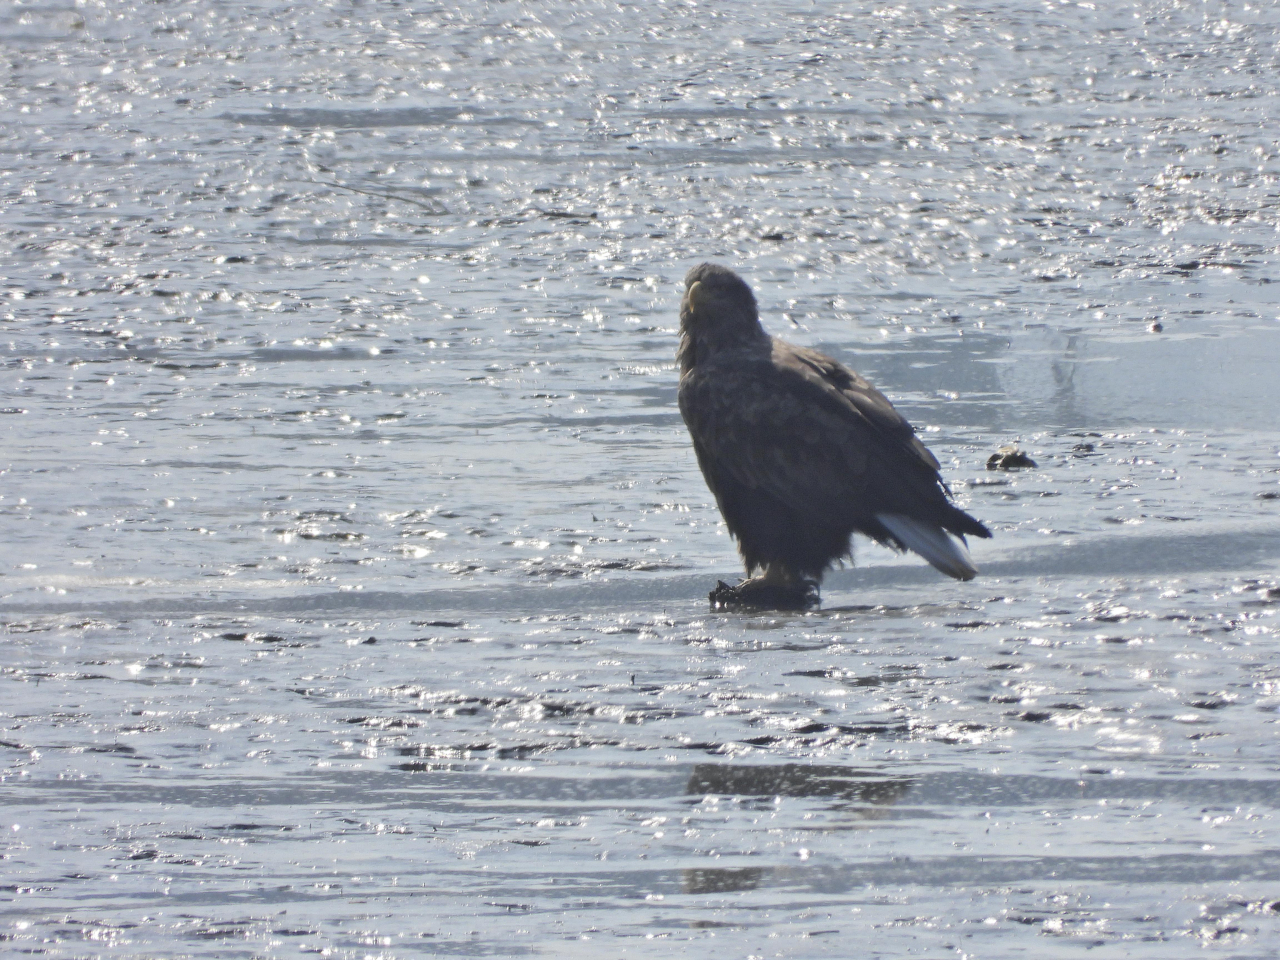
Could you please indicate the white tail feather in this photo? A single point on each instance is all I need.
(933, 543)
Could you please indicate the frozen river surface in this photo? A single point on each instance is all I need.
(355, 559)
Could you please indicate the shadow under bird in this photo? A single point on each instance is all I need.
(801, 453)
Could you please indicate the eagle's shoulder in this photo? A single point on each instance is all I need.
(778, 392)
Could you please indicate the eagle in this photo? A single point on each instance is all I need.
(801, 453)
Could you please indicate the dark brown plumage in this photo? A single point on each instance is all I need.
(801, 452)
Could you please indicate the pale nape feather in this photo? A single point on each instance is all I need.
(933, 543)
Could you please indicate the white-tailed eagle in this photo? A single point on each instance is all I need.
(801, 452)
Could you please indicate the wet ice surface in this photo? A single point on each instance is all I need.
(356, 560)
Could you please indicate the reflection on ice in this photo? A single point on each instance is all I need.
(794, 780)
(702, 880)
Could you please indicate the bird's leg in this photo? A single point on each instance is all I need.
(777, 589)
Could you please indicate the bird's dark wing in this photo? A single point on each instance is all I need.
(871, 405)
(810, 432)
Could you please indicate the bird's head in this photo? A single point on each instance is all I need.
(718, 310)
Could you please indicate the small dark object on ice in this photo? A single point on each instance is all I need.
(1011, 458)
(801, 453)
(760, 593)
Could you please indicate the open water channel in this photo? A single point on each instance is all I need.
(355, 558)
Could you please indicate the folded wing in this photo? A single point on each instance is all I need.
(820, 439)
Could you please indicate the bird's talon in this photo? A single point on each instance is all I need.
(762, 594)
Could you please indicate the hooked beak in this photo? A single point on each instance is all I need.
(694, 297)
